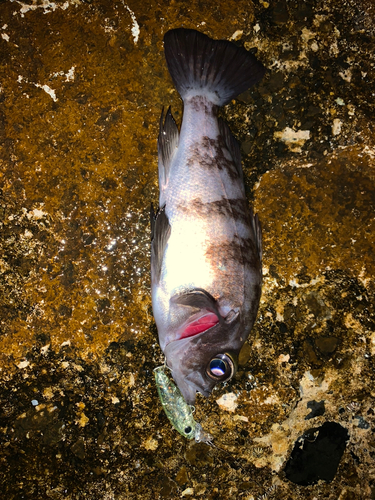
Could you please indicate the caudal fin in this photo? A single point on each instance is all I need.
(217, 69)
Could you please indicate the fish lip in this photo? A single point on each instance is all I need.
(197, 325)
(178, 334)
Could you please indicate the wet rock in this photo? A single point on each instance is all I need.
(279, 13)
(310, 354)
(317, 454)
(361, 422)
(197, 454)
(317, 409)
(78, 448)
(82, 87)
(326, 345)
(168, 487)
(182, 476)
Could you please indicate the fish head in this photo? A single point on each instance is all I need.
(200, 361)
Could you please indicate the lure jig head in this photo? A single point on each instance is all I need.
(179, 413)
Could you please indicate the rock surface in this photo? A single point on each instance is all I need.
(82, 87)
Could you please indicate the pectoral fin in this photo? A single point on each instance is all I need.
(199, 299)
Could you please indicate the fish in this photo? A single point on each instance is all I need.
(179, 413)
(206, 243)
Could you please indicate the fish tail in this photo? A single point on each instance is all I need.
(217, 69)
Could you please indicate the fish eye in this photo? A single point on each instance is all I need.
(188, 430)
(222, 367)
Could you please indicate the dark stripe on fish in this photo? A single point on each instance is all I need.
(224, 140)
(200, 104)
(236, 209)
(238, 251)
(208, 153)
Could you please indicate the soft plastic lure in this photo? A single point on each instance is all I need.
(179, 413)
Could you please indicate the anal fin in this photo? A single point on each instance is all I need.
(160, 233)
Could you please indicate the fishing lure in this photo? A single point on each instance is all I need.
(179, 413)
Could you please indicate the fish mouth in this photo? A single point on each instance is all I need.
(197, 326)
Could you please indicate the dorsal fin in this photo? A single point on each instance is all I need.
(232, 146)
(257, 228)
(167, 145)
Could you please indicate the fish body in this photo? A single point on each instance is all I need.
(206, 268)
